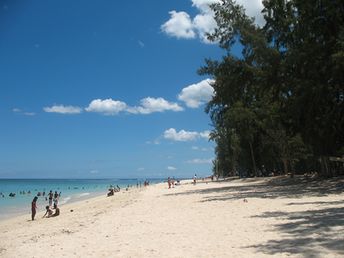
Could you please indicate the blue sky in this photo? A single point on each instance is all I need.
(97, 89)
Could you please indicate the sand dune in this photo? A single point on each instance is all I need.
(237, 218)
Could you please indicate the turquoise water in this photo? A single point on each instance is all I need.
(71, 190)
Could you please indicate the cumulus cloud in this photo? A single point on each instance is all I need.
(150, 105)
(253, 8)
(147, 106)
(197, 94)
(182, 25)
(205, 134)
(179, 25)
(61, 109)
(106, 106)
(183, 136)
(200, 161)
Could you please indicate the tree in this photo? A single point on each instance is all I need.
(284, 94)
(309, 36)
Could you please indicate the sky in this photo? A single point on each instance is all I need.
(106, 89)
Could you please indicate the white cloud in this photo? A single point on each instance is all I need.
(181, 25)
(171, 168)
(150, 105)
(205, 134)
(196, 148)
(18, 110)
(61, 109)
(155, 142)
(253, 8)
(106, 107)
(204, 23)
(203, 4)
(147, 106)
(197, 94)
(183, 136)
(140, 169)
(200, 161)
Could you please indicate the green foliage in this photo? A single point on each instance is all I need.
(282, 100)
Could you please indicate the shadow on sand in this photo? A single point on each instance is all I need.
(305, 230)
(279, 187)
(323, 225)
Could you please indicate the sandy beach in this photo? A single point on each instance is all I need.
(277, 217)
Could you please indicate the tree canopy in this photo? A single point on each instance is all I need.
(280, 104)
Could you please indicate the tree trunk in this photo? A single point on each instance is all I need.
(292, 171)
(253, 160)
(324, 166)
(285, 165)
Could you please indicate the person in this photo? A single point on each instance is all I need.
(56, 199)
(50, 194)
(194, 179)
(111, 192)
(48, 212)
(57, 212)
(34, 207)
(169, 182)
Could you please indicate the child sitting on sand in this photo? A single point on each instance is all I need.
(48, 213)
(57, 212)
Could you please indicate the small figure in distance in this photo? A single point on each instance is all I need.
(34, 207)
(48, 212)
(50, 194)
(111, 192)
(57, 212)
(169, 182)
(194, 179)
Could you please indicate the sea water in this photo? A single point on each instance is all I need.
(70, 190)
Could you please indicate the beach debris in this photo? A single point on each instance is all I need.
(67, 231)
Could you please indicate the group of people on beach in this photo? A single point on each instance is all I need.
(113, 190)
(53, 202)
(172, 182)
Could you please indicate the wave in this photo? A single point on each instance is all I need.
(84, 194)
(65, 200)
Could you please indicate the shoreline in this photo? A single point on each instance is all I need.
(73, 190)
(25, 211)
(261, 217)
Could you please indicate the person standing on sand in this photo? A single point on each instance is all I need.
(56, 199)
(51, 198)
(194, 179)
(34, 208)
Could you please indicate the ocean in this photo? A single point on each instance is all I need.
(70, 190)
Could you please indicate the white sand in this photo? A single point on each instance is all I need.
(203, 220)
